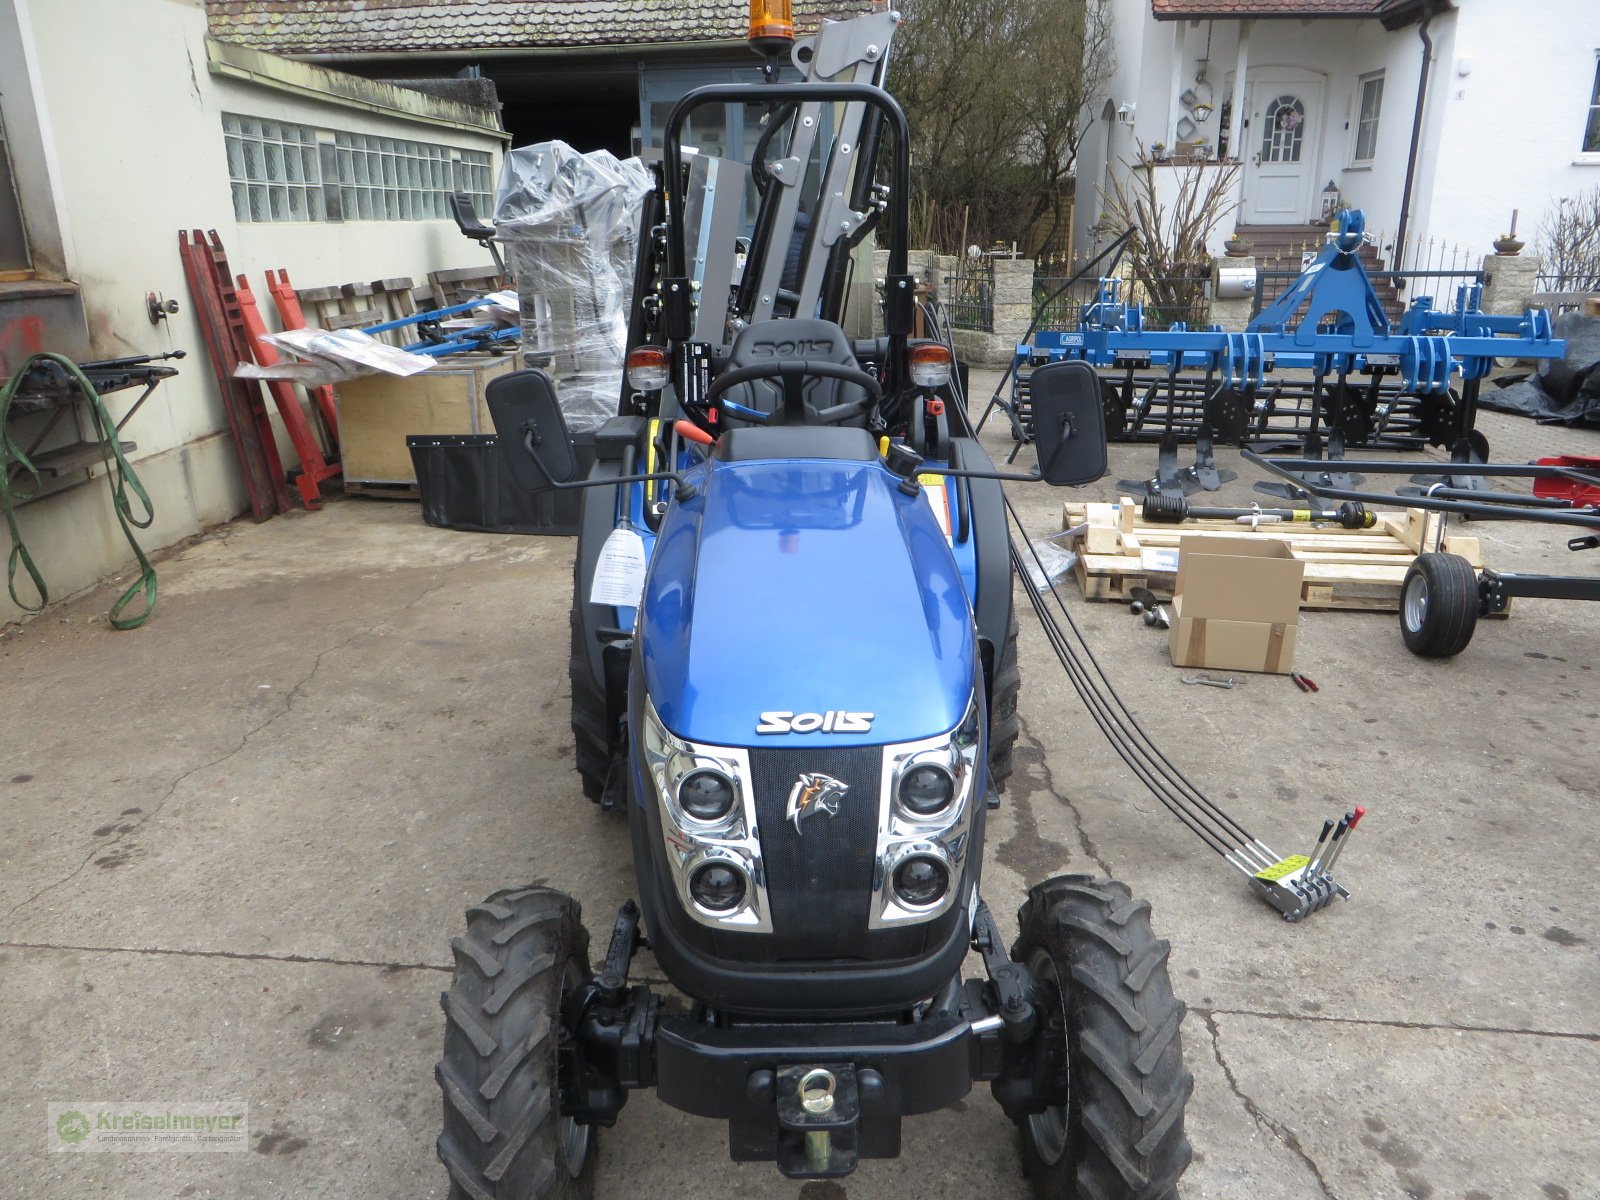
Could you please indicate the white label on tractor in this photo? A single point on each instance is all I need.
(619, 575)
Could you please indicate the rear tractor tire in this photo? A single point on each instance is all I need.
(1439, 605)
(504, 1138)
(1120, 1134)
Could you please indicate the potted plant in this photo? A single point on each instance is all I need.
(1158, 152)
(1509, 243)
(1237, 246)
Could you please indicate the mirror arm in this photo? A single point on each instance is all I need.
(685, 491)
(933, 469)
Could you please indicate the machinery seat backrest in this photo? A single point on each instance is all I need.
(778, 341)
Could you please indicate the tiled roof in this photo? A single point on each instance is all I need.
(1168, 9)
(388, 26)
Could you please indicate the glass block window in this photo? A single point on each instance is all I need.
(273, 170)
(385, 179)
(1591, 132)
(474, 179)
(285, 172)
(1371, 98)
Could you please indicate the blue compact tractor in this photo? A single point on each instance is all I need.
(794, 669)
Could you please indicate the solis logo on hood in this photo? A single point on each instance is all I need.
(835, 720)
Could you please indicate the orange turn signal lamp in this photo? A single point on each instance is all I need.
(648, 369)
(931, 365)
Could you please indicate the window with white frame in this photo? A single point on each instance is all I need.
(1591, 132)
(285, 172)
(1369, 107)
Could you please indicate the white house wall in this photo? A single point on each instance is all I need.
(135, 122)
(1513, 91)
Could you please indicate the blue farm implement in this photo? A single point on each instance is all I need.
(1322, 364)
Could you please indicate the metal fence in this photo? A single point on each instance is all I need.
(969, 295)
(1184, 301)
(1396, 290)
(1563, 291)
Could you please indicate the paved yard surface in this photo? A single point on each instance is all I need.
(233, 846)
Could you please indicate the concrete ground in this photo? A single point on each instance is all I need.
(233, 845)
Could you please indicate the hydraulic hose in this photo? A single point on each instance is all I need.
(121, 479)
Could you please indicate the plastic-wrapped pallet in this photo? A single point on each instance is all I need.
(570, 223)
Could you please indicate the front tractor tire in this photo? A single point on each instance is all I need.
(504, 1138)
(1120, 1134)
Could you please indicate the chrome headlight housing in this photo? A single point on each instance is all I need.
(926, 802)
(708, 827)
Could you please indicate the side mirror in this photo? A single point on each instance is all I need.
(1069, 423)
(534, 443)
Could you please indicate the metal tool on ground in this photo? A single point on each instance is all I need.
(1210, 681)
(1174, 510)
(1143, 602)
(1304, 682)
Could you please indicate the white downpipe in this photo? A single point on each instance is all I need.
(1240, 147)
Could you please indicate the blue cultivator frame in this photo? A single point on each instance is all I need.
(1372, 381)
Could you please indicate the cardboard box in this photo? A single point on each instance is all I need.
(1236, 604)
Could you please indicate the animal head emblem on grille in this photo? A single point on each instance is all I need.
(813, 793)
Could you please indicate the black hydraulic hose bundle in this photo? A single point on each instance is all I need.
(1202, 815)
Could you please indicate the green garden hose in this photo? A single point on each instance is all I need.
(120, 478)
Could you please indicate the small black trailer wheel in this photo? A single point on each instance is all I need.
(1119, 1136)
(504, 1137)
(1439, 605)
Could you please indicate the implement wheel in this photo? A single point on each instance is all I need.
(1439, 605)
(1120, 1134)
(504, 1137)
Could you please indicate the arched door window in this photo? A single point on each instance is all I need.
(1285, 136)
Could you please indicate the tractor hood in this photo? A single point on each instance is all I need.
(805, 603)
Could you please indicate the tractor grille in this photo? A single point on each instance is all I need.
(819, 879)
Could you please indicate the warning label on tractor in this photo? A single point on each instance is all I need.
(619, 575)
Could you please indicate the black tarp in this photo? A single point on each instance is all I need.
(1565, 391)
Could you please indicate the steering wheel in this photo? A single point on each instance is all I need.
(794, 372)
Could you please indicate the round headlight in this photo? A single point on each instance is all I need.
(921, 881)
(717, 886)
(706, 795)
(926, 789)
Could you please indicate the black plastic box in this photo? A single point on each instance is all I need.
(466, 485)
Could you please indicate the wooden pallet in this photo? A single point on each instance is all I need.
(1359, 569)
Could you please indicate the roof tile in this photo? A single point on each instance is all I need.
(387, 26)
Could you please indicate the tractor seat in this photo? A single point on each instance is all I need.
(798, 338)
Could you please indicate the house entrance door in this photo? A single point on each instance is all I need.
(1281, 147)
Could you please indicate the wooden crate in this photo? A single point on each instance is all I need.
(378, 412)
(1361, 569)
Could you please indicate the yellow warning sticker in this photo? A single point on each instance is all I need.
(1287, 866)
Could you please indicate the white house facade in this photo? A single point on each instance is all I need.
(1438, 119)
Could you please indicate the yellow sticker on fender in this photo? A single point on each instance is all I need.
(1287, 866)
